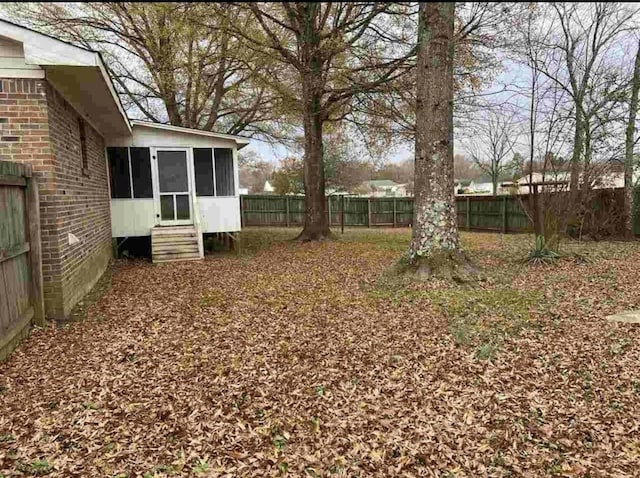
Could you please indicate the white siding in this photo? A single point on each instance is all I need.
(219, 214)
(12, 62)
(150, 137)
(136, 217)
(132, 217)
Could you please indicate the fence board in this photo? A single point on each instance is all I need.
(477, 213)
(20, 270)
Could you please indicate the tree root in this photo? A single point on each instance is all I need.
(450, 266)
(309, 236)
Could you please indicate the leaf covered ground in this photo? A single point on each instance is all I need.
(313, 360)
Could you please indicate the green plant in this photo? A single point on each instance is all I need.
(37, 467)
(541, 254)
(486, 351)
(201, 467)
(279, 442)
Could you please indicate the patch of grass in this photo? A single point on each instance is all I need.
(39, 467)
(462, 332)
(201, 466)
(211, 298)
(164, 469)
(256, 239)
(386, 239)
(483, 318)
(487, 351)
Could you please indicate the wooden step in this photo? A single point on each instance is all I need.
(175, 256)
(174, 240)
(181, 259)
(173, 248)
(171, 231)
(175, 243)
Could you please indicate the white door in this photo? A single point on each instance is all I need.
(173, 186)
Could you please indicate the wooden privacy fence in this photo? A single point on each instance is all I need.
(502, 213)
(21, 300)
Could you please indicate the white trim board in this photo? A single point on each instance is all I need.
(239, 140)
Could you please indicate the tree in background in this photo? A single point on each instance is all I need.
(491, 146)
(481, 31)
(464, 168)
(327, 54)
(582, 52)
(288, 178)
(254, 172)
(435, 245)
(168, 66)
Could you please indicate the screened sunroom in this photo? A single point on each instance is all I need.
(171, 180)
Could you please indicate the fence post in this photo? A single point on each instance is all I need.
(394, 211)
(504, 214)
(342, 215)
(242, 221)
(35, 258)
(329, 209)
(468, 213)
(286, 199)
(368, 212)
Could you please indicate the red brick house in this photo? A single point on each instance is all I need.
(102, 176)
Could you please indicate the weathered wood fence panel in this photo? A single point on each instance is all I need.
(503, 213)
(21, 300)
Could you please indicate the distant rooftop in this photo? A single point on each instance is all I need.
(381, 183)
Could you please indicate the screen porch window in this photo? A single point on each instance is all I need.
(130, 173)
(214, 172)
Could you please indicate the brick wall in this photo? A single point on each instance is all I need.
(41, 128)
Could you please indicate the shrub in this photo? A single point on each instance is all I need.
(541, 254)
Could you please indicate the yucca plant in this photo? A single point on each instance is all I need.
(541, 254)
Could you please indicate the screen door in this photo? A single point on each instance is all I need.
(174, 187)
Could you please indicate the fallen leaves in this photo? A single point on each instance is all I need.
(298, 360)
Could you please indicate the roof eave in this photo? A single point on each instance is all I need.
(240, 141)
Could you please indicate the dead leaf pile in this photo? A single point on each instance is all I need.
(296, 360)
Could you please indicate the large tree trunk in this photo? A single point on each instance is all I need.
(316, 224)
(628, 149)
(435, 246)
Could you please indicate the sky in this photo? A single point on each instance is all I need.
(512, 73)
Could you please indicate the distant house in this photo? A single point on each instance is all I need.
(610, 179)
(560, 177)
(268, 188)
(482, 185)
(103, 178)
(459, 185)
(382, 188)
